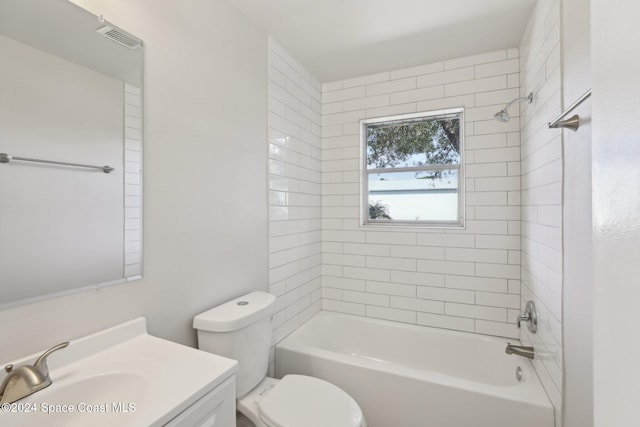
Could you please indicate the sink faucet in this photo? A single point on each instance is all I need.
(26, 379)
(520, 350)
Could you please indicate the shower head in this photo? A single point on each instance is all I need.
(503, 115)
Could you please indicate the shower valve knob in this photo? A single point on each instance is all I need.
(530, 316)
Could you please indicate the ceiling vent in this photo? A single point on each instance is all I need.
(119, 36)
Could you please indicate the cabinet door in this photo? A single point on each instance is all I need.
(215, 409)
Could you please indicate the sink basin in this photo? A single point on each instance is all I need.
(119, 377)
(107, 387)
(108, 399)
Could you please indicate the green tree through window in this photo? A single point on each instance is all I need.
(413, 168)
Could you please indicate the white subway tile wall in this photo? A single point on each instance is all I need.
(462, 279)
(541, 198)
(295, 192)
(132, 181)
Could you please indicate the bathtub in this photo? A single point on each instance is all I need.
(414, 376)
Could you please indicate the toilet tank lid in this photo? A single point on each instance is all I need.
(236, 314)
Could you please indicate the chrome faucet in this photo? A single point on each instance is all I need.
(26, 379)
(520, 350)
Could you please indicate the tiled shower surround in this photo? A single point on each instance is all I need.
(464, 279)
(295, 206)
(542, 171)
(132, 181)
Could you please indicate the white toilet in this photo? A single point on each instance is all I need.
(241, 330)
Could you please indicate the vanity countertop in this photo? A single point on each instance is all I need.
(120, 376)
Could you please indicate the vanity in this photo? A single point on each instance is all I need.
(122, 376)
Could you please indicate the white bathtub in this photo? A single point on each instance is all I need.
(413, 376)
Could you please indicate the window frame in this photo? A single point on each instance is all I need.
(365, 172)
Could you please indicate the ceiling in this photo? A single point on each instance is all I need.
(338, 39)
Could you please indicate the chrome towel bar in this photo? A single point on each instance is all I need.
(572, 122)
(6, 158)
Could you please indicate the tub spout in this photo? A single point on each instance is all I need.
(520, 350)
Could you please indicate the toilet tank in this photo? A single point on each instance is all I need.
(240, 329)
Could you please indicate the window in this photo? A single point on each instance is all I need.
(412, 169)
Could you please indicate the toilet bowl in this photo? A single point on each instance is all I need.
(241, 329)
(300, 400)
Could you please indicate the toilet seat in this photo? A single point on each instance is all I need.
(302, 401)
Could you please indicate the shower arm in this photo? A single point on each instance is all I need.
(524, 98)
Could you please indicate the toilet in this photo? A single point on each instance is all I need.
(241, 329)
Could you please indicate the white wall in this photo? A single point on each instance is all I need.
(542, 171)
(457, 279)
(615, 38)
(205, 207)
(295, 248)
(577, 297)
(49, 213)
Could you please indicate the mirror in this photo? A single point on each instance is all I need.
(71, 96)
